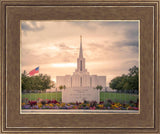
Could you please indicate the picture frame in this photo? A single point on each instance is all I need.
(147, 121)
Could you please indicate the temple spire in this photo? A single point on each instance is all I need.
(81, 51)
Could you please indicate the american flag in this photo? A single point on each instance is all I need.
(34, 71)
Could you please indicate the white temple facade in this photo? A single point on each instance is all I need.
(81, 85)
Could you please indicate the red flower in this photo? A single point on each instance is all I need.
(54, 101)
(33, 103)
(93, 108)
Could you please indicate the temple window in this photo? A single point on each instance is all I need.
(80, 65)
(81, 82)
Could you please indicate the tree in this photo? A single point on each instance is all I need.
(38, 82)
(64, 87)
(23, 80)
(126, 82)
(133, 71)
(60, 87)
(116, 83)
(52, 84)
(99, 87)
(133, 78)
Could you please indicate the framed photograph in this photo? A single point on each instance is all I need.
(62, 83)
(80, 67)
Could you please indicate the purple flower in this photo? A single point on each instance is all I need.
(35, 107)
(86, 107)
(43, 107)
(56, 107)
(123, 108)
(26, 107)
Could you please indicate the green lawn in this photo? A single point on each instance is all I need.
(50, 96)
(118, 97)
(115, 97)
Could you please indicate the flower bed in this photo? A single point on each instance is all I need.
(53, 104)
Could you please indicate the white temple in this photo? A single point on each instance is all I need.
(81, 85)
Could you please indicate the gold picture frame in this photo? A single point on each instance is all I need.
(147, 12)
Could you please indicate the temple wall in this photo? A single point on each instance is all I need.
(94, 80)
(80, 94)
(75, 80)
(101, 80)
(60, 80)
(68, 81)
(81, 85)
(85, 81)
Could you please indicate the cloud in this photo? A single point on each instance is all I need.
(119, 23)
(131, 63)
(47, 54)
(65, 47)
(132, 45)
(127, 43)
(109, 47)
(31, 26)
(132, 34)
(89, 25)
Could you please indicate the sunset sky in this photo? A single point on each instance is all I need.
(109, 47)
